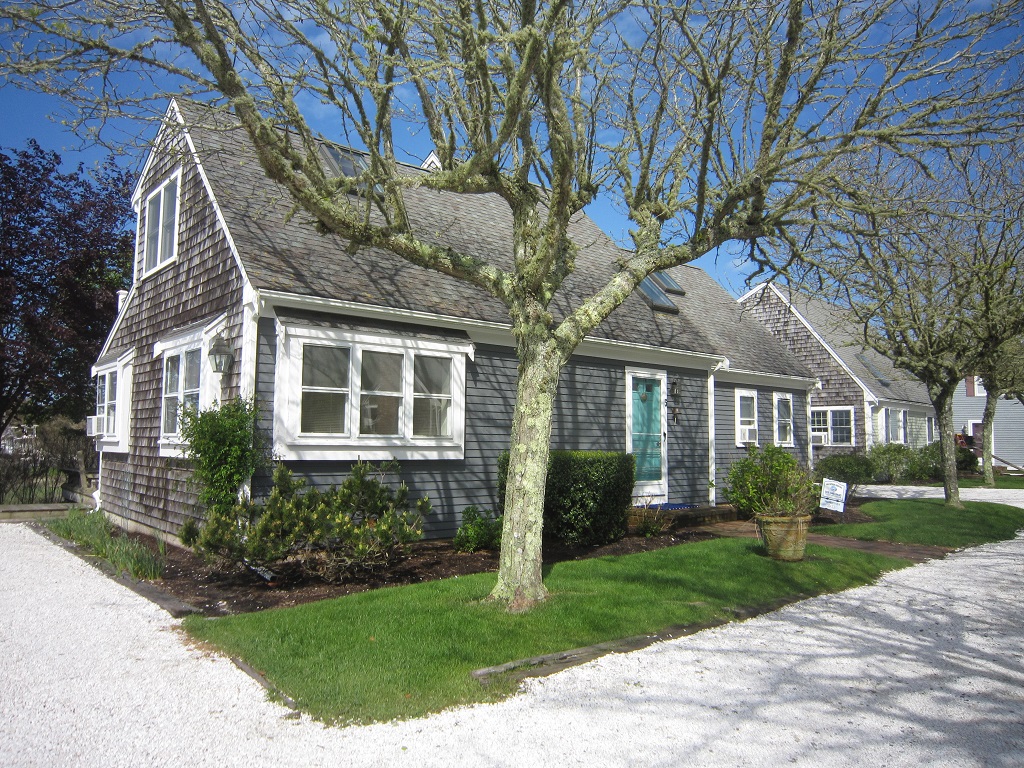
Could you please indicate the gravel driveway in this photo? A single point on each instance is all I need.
(924, 667)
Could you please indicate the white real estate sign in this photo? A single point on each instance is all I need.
(833, 495)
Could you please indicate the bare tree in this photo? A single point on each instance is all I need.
(1003, 377)
(708, 121)
(938, 281)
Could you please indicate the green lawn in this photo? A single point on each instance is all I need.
(930, 521)
(406, 651)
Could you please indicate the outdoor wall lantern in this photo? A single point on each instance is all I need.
(221, 355)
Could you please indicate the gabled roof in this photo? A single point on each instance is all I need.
(840, 332)
(282, 250)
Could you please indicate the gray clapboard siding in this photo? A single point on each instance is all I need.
(727, 452)
(1007, 428)
(589, 415)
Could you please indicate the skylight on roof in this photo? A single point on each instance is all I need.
(667, 283)
(346, 162)
(655, 297)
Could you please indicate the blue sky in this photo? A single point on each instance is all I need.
(27, 115)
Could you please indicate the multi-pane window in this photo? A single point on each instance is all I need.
(161, 224)
(341, 394)
(325, 390)
(181, 387)
(832, 426)
(895, 425)
(783, 419)
(746, 417)
(432, 396)
(106, 404)
(381, 398)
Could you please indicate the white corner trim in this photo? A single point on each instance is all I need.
(712, 461)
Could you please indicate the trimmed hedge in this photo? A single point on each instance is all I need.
(588, 495)
(854, 469)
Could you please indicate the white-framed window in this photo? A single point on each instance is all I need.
(832, 426)
(182, 376)
(345, 395)
(746, 417)
(895, 424)
(113, 392)
(187, 378)
(783, 412)
(931, 429)
(160, 246)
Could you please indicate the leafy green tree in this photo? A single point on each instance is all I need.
(708, 121)
(65, 251)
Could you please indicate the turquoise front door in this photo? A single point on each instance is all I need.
(647, 434)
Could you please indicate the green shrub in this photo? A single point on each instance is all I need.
(94, 532)
(479, 530)
(587, 497)
(770, 482)
(893, 462)
(361, 526)
(853, 469)
(930, 457)
(966, 460)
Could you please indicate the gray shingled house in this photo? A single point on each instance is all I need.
(357, 354)
(1007, 428)
(864, 399)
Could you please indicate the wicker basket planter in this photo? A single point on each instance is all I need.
(784, 537)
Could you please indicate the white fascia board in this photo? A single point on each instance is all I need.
(486, 332)
(868, 394)
(171, 113)
(752, 292)
(117, 322)
(775, 380)
(906, 405)
(126, 359)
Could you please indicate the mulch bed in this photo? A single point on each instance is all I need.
(216, 591)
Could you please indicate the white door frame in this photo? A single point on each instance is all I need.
(656, 492)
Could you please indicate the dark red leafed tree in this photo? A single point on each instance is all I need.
(65, 251)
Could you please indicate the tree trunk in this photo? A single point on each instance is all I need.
(947, 442)
(520, 576)
(991, 400)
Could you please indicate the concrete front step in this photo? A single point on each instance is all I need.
(25, 513)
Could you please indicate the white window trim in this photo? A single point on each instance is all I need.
(741, 393)
(777, 396)
(144, 215)
(289, 443)
(828, 435)
(931, 429)
(117, 441)
(900, 414)
(200, 338)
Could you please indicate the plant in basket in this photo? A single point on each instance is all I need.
(771, 486)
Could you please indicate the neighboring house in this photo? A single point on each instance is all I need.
(863, 399)
(358, 354)
(1007, 427)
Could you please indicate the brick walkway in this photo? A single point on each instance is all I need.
(917, 553)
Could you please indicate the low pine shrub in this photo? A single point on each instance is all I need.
(361, 526)
(479, 530)
(588, 495)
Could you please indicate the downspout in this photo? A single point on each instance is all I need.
(712, 463)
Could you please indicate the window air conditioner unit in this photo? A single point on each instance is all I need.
(748, 435)
(94, 426)
(818, 438)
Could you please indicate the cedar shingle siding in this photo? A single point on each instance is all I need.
(204, 282)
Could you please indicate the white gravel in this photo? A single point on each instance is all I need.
(924, 667)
